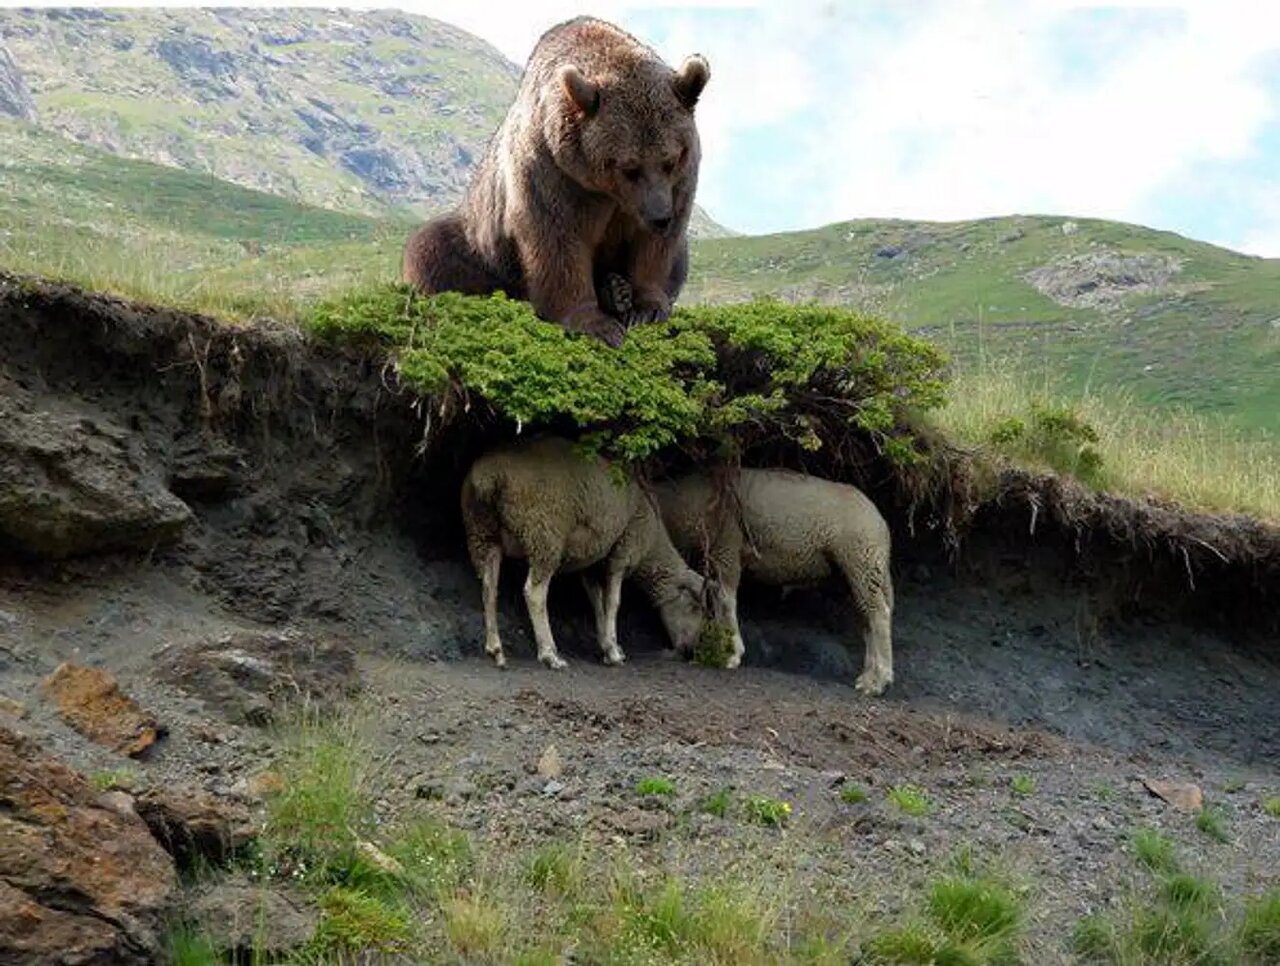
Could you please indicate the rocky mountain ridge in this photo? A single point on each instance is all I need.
(375, 112)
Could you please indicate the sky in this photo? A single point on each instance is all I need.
(1162, 113)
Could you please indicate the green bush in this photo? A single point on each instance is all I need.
(734, 374)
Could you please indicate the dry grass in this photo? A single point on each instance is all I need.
(1198, 461)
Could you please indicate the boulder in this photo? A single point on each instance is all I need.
(80, 882)
(250, 676)
(91, 702)
(252, 920)
(72, 484)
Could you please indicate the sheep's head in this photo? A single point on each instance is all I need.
(694, 603)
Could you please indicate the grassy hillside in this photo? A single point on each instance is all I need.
(373, 112)
(1098, 303)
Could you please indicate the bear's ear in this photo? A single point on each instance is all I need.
(584, 94)
(691, 78)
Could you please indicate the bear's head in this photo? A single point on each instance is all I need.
(636, 140)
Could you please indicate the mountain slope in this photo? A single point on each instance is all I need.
(1100, 303)
(364, 111)
(1097, 303)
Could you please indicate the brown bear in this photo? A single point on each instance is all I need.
(582, 200)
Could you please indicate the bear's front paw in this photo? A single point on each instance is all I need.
(648, 305)
(590, 320)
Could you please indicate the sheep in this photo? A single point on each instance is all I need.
(787, 529)
(542, 501)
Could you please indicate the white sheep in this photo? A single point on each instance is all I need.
(542, 501)
(788, 529)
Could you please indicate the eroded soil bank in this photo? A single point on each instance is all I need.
(267, 483)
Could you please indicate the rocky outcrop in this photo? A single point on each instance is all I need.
(73, 483)
(80, 881)
(15, 99)
(250, 677)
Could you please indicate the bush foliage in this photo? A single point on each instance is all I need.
(720, 375)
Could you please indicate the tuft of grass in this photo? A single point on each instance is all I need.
(1023, 785)
(1271, 806)
(910, 799)
(717, 803)
(556, 870)
(1259, 933)
(1155, 851)
(1182, 891)
(357, 921)
(767, 811)
(655, 786)
(477, 928)
(1213, 823)
(112, 779)
(186, 946)
(852, 794)
(969, 920)
(975, 910)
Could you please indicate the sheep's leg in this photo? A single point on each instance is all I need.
(739, 648)
(536, 586)
(597, 594)
(612, 601)
(872, 588)
(490, 568)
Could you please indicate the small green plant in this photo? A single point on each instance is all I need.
(433, 856)
(113, 779)
(1154, 851)
(768, 811)
(1271, 806)
(1104, 792)
(655, 786)
(1055, 435)
(714, 646)
(910, 799)
(852, 794)
(1023, 785)
(1213, 823)
(717, 803)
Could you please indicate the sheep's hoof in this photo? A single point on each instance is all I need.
(873, 681)
(554, 661)
(499, 659)
(734, 661)
(615, 659)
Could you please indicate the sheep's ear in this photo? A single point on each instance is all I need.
(691, 78)
(584, 94)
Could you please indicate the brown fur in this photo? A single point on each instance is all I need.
(585, 191)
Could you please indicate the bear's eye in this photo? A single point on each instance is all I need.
(668, 167)
(632, 174)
